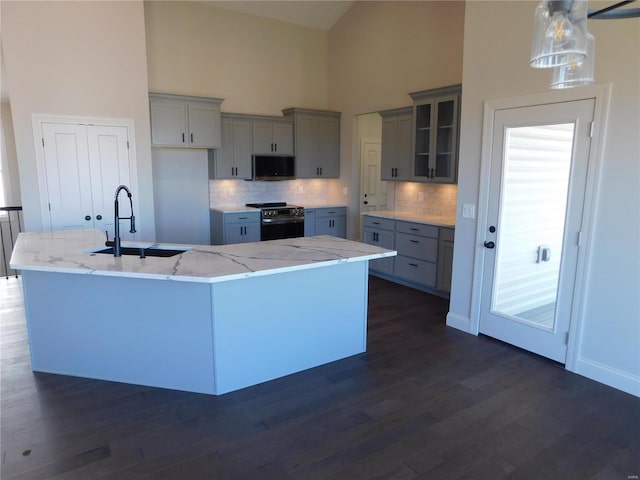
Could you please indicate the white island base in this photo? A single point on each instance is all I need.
(200, 337)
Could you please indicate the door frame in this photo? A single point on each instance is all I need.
(601, 93)
(363, 141)
(38, 119)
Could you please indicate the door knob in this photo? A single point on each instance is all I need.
(489, 245)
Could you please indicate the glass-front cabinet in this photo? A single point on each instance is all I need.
(435, 147)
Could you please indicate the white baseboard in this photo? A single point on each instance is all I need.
(458, 321)
(609, 376)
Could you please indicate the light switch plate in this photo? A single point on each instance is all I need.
(468, 210)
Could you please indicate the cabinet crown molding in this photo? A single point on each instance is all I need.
(448, 90)
(186, 98)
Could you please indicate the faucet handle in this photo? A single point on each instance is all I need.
(106, 232)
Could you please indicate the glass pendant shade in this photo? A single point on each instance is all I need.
(576, 74)
(559, 33)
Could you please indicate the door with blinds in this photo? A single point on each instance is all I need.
(80, 167)
(539, 162)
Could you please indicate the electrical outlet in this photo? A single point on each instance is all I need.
(345, 191)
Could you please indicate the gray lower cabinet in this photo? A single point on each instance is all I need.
(309, 222)
(445, 259)
(326, 221)
(234, 227)
(417, 246)
(233, 159)
(425, 252)
(380, 232)
(317, 142)
(184, 121)
(332, 221)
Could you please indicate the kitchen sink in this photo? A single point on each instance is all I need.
(144, 251)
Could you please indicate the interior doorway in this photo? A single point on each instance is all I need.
(374, 193)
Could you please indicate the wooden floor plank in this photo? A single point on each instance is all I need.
(424, 402)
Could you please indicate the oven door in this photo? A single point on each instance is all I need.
(276, 231)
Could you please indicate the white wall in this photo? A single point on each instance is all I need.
(257, 65)
(378, 53)
(82, 59)
(496, 56)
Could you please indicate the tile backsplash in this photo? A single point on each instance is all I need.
(425, 198)
(410, 197)
(228, 193)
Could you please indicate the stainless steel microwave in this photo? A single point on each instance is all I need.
(273, 167)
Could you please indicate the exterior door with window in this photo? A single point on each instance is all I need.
(539, 163)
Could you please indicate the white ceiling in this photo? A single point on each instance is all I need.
(319, 14)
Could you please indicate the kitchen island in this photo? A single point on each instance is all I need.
(212, 319)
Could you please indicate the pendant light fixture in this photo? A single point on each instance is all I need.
(559, 33)
(562, 41)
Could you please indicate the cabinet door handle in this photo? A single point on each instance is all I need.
(98, 217)
(432, 173)
(320, 171)
(414, 241)
(242, 218)
(275, 147)
(87, 217)
(182, 137)
(415, 229)
(192, 138)
(413, 264)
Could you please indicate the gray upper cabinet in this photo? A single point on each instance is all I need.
(317, 137)
(233, 158)
(436, 116)
(183, 121)
(397, 133)
(272, 136)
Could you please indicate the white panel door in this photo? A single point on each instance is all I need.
(110, 167)
(68, 177)
(539, 163)
(374, 190)
(83, 165)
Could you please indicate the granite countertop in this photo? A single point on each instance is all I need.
(413, 217)
(68, 251)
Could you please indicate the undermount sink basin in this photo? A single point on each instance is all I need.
(144, 252)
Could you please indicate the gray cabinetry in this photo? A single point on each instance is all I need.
(328, 221)
(317, 142)
(417, 246)
(425, 252)
(233, 158)
(309, 222)
(445, 259)
(234, 227)
(331, 221)
(183, 121)
(272, 136)
(397, 132)
(380, 232)
(436, 115)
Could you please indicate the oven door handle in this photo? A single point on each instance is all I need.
(274, 221)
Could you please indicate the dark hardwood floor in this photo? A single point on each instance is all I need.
(424, 402)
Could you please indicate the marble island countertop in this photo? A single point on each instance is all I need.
(414, 217)
(70, 251)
